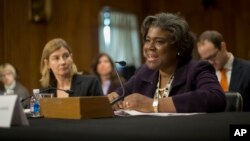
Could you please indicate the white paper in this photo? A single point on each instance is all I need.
(11, 111)
(137, 113)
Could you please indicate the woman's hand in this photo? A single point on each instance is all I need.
(138, 102)
(118, 105)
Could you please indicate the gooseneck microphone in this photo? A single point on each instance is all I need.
(122, 63)
(48, 90)
(53, 89)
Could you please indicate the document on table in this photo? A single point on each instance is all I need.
(137, 113)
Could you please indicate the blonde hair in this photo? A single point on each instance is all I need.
(7, 67)
(48, 77)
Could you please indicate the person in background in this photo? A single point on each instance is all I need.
(103, 67)
(233, 73)
(170, 81)
(59, 71)
(8, 79)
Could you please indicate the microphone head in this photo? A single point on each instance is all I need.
(70, 92)
(122, 63)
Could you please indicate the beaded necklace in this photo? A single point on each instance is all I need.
(165, 90)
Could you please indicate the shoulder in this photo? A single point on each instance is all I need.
(196, 65)
(241, 63)
(84, 78)
(144, 70)
(19, 86)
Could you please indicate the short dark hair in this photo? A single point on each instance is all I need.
(181, 37)
(213, 36)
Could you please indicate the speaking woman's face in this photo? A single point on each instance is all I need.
(157, 51)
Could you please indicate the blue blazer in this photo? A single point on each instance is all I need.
(240, 81)
(195, 87)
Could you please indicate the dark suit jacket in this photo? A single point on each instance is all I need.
(83, 85)
(86, 85)
(240, 81)
(195, 87)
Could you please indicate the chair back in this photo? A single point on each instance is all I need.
(234, 102)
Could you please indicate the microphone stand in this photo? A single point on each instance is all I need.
(122, 63)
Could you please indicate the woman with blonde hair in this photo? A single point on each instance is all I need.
(59, 71)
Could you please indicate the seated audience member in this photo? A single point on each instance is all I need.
(170, 81)
(232, 72)
(103, 68)
(59, 71)
(8, 79)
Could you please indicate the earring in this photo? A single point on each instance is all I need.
(178, 54)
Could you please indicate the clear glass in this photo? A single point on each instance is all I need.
(46, 95)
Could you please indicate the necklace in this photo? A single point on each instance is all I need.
(165, 90)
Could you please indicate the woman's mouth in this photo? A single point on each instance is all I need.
(152, 57)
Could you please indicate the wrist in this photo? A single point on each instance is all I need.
(155, 105)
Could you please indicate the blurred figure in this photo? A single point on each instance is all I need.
(232, 72)
(8, 79)
(170, 81)
(103, 68)
(59, 71)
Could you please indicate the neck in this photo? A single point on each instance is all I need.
(226, 58)
(104, 77)
(63, 82)
(166, 73)
(11, 85)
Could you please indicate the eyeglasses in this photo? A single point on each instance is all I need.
(213, 56)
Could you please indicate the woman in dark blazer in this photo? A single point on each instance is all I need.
(171, 81)
(59, 71)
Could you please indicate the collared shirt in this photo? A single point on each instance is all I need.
(11, 86)
(228, 67)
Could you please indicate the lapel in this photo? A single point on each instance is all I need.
(236, 74)
(179, 77)
(76, 84)
(148, 81)
(150, 78)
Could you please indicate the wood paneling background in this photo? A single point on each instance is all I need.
(22, 41)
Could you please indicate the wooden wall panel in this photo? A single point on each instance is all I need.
(242, 28)
(1, 32)
(22, 41)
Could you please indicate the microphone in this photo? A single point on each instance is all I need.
(53, 89)
(48, 90)
(122, 63)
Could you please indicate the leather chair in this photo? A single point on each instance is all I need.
(234, 102)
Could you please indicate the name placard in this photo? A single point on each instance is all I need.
(11, 112)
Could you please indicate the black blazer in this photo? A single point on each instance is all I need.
(85, 85)
(240, 81)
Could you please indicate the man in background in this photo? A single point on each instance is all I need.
(233, 73)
